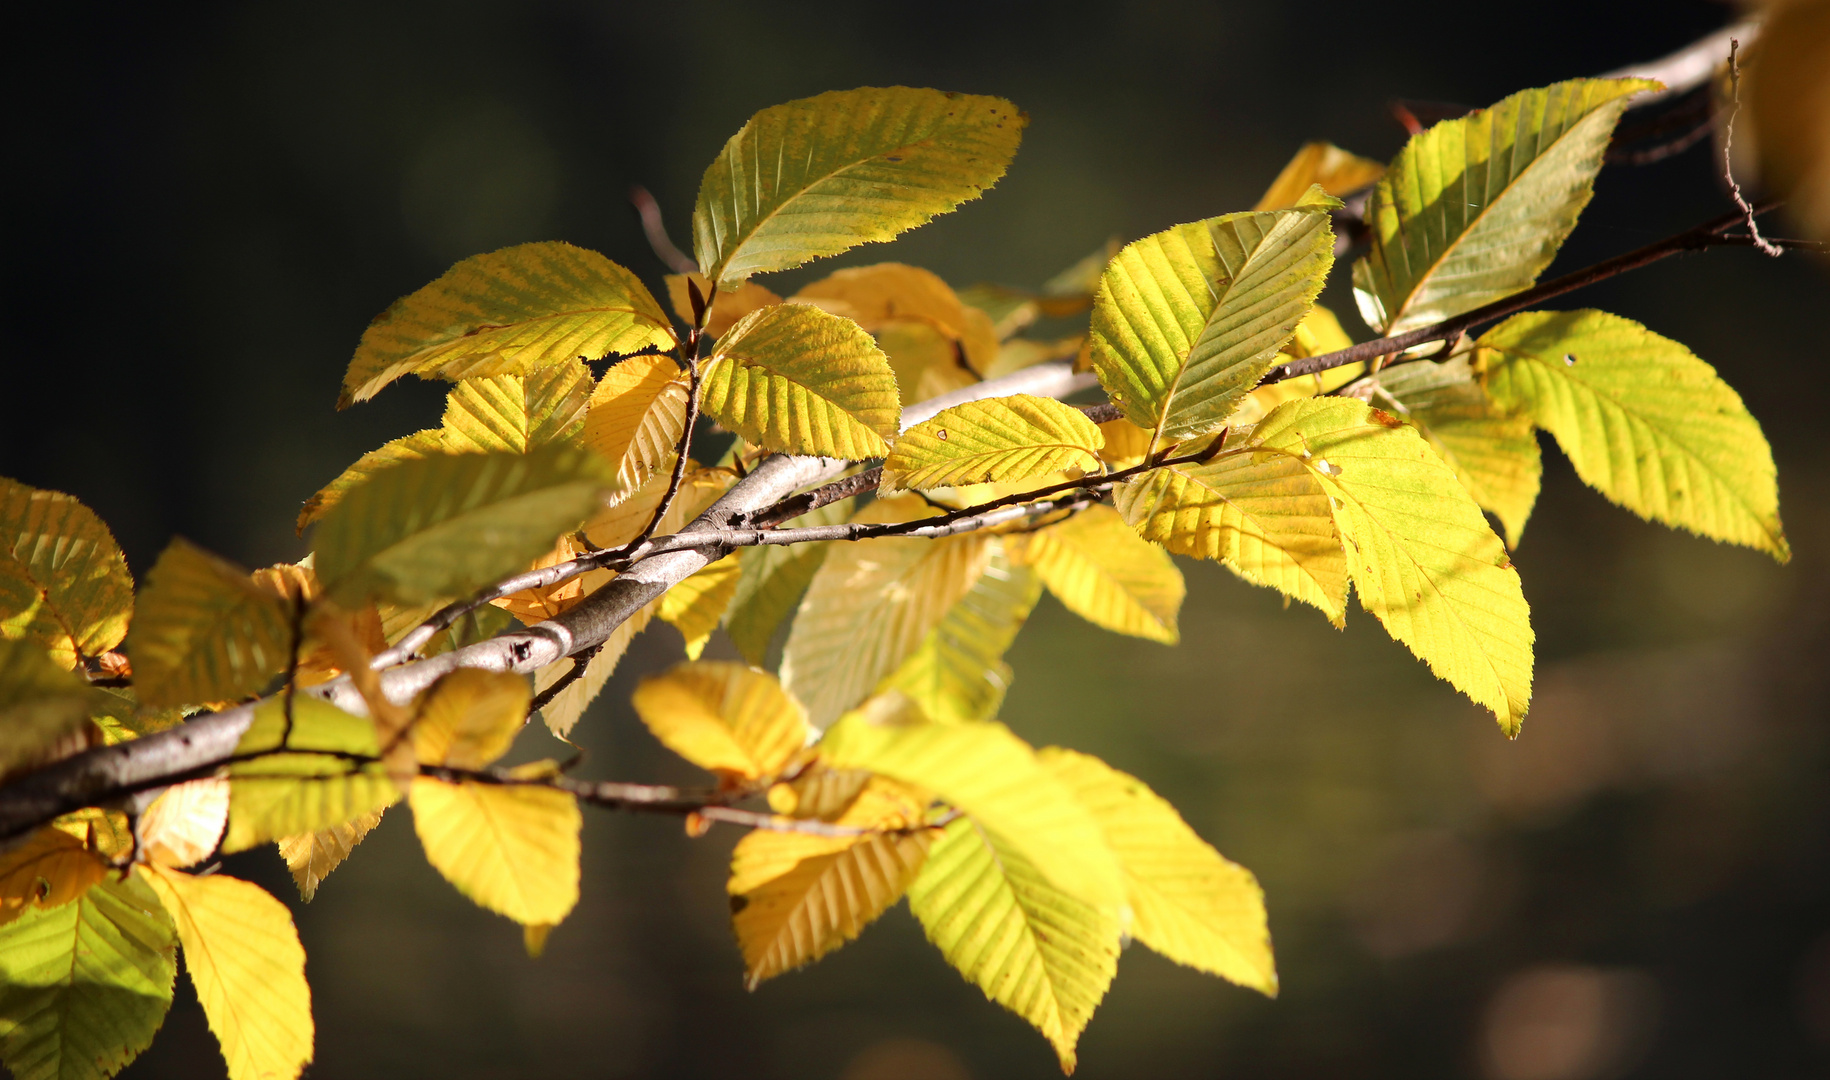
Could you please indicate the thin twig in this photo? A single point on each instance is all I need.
(1728, 149)
(678, 261)
(577, 671)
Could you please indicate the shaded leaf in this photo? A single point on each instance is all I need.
(772, 580)
(63, 583)
(1042, 953)
(877, 296)
(793, 379)
(731, 303)
(997, 439)
(1100, 570)
(85, 986)
(563, 712)
(49, 869)
(959, 674)
(40, 702)
(724, 717)
(823, 174)
(244, 958)
(320, 782)
(511, 848)
(203, 630)
(510, 312)
(1643, 420)
(1475, 208)
(1333, 169)
(1786, 86)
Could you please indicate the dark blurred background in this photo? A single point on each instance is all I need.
(205, 204)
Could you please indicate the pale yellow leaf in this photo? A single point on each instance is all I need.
(182, 826)
(959, 674)
(993, 440)
(725, 717)
(511, 848)
(635, 418)
(876, 296)
(695, 606)
(63, 582)
(470, 718)
(312, 856)
(205, 631)
(1102, 571)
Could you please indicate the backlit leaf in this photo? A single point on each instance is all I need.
(470, 718)
(420, 444)
(204, 631)
(636, 415)
(1042, 953)
(551, 601)
(517, 412)
(997, 439)
(824, 174)
(725, 717)
(1335, 170)
(50, 868)
(1422, 556)
(63, 583)
(1265, 515)
(563, 712)
(926, 362)
(244, 958)
(182, 826)
(796, 897)
(1319, 332)
(84, 986)
(876, 296)
(869, 608)
(695, 606)
(1643, 420)
(314, 786)
(1187, 902)
(511, 848)
(1475, 208)
(40, 702)
(994, 776)
(451, 524)
(1188, 320)
(312, 856)
(959, 674)
(510, 312)
(1100, 570)
(793, 379)
(773, 578)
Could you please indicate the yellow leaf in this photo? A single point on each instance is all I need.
(699, 488)
(63, 583)
(312, 856)
(731, 303)
(40, 703)
(796, 897)
(563, 712)
(1475, 208)
(533, 938)
(1264, 515)
(85, 986)
(868, 609)
(876, 296)
(1318, 163)
(824, 174)
(1188, 320)
(1040, 952)
(182, 826)
(925, 361)
(1125, 443)
(511, 312)
(245, 960)
(1643, 420)
(470, 718)
(772, 580)
(725, 717)
(551, 601)
(1422, 556)
(1187, 901)
(454, 523)
(959, 674)
(994, 440)
(636, 415)
(695, 606)
(312, 784)
(1100, 570)
(793, 379)
(205, 631)
(818, 791)
(108, 833)
(511, 848)
(1319, 332)
(50, 868)
(1788, 97)
(994, 776)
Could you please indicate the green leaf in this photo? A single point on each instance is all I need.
(510, 312)
(1100, 570)
(1187, 902)
(1494, 451)
(1474, 209)
(285, 794)
(997, 439)
(824, 174)
(774, 577)
(1040, 952)
(793, 379)
(1265, 515)
(85, 986)
(1187, 321)
(1643, 420)
(40, 702)
(203, 630)
(959, 674)
(451, 524)
(1422, 556)
(987, 772)
(414, 447)
(63, 582)
(869, 608)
